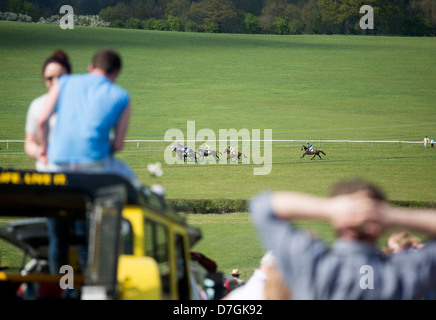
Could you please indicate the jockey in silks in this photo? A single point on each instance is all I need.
(310, 147)
(206, 149)
(181, 146)
(232, 150)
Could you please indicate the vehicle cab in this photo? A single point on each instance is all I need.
(137, 245)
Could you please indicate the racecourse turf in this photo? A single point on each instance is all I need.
(309, 87)
(306, 87)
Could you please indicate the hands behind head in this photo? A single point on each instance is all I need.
(358, 215)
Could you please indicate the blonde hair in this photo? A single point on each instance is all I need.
(404, 239)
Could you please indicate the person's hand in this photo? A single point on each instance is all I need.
(41, 154)
(358, 212)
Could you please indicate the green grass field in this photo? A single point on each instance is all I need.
(309, 87)
(301, 87)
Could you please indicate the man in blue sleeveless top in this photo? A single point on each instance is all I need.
(90, 108)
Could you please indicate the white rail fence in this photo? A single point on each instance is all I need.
(318, 141)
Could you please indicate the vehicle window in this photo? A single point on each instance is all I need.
(156, 246)
(14, 257)
(182, 277)
(126, 238)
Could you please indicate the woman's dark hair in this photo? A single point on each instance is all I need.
(58, 57)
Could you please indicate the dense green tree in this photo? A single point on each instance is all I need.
(157, 12)
(391, 17)
(427, 8)
(273, 9)
(174, 24)
(328, 10)
(281, 26)
(251, 24)
(120, 12)
(281, 17)
(139, 9)
(178, 8)
(388, 16)
(292, 16)
(311, 17)
(22, 7)
(424, 12)
(250, 6)
(83, 7)
(134, 23)
(221, 12)
(142, 9)
(348, 15)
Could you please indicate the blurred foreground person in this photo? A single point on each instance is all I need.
(353, 267)
(55, 66)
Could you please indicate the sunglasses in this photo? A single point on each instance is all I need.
(51, 78)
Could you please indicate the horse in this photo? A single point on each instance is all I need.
(205, 153)
(315, 152)
(184, 155)
(236, 155)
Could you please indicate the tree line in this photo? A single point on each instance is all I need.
(391, 17)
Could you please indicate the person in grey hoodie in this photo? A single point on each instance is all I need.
(353, 267)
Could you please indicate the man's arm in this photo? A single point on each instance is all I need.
(293, 205)
(419, 220)
(353, 211)
(31, 146)
(296, 250)
(43, 119)
(342, 211)
(121, 129)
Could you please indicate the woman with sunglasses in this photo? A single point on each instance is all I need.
(56, 65)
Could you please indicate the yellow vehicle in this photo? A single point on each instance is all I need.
(137, 246)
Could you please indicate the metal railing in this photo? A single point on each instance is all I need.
(373, 142)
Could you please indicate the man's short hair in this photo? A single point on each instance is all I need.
(108, 60)
(354, 185)
(357, 184)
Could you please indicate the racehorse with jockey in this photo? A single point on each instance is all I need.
(184, 152)
(308, 150)
(183, 148)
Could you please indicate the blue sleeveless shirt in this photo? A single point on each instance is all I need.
(88, 107)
